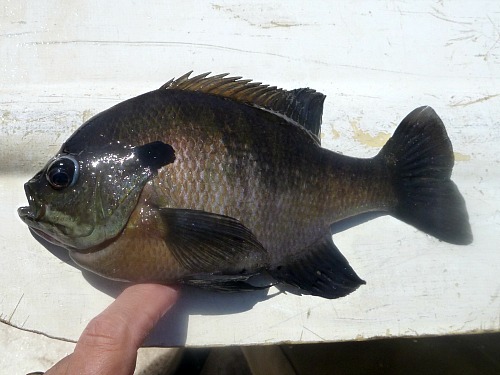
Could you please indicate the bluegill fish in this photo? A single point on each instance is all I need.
(211, 181)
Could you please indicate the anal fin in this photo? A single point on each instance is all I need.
(224, 283)
(320, 270)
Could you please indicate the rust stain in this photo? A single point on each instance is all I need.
(366, 138)
(464, 103)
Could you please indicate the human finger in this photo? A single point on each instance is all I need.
(109, 343)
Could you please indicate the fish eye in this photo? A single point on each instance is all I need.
(62, 172)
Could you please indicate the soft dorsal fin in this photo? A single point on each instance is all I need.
(303, 106)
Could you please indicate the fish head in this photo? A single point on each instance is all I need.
(81, 201)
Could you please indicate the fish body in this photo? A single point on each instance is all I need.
(211, 181)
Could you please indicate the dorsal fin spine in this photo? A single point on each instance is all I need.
(302, 106)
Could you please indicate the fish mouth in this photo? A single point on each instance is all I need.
(47, 237)
(32, 221)
(31, 215)
(34, 212)
(34, 216)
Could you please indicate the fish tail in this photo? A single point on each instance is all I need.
(420, 160)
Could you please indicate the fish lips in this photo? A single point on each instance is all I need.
(35, 227)
(32, 214)
(35, 211)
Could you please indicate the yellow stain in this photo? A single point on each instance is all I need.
(366, 138)
(381, 138)
(6, 117)
(87, 114)
(461, 157)
(334, 134)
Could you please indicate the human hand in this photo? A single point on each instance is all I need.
(109, 343)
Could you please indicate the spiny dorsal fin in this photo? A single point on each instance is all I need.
(304, 106)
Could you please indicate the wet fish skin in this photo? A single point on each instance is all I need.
(210, 181)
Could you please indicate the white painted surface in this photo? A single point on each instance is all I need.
(375, 61)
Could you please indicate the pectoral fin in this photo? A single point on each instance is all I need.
(320, 270)
(205, 242)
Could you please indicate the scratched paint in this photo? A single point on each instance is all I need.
(254, 18)
(467, 102)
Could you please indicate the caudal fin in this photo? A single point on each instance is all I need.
(420, 159)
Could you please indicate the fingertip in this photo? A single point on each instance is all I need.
(113, 337)
(141, 306)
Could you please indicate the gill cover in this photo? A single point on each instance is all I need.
(120, 177)
(81, 200)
